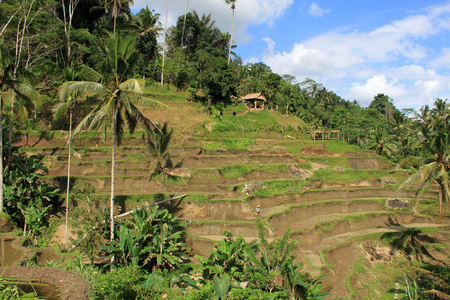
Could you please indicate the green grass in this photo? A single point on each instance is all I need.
(330, 225)
(235, 171)
(261, 121)
(226, 144)
(349, 175)
(359, 268)
(206, 174)
(340, 147)
(279, 187)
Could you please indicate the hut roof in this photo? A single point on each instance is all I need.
(258, 96)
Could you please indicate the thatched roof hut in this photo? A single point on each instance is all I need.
(255, 100)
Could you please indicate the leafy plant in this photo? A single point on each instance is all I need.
(151, 238)
(229, 257)
(89, 220)
(221, 285)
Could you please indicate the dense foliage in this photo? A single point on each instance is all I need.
(99, 56)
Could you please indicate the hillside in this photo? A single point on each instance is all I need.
(332, 196)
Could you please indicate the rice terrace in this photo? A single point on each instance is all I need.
(136, 168)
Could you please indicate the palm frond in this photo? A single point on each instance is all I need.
(439, 294)
(147, 102)
(86, 122)
(89, 74)
(60, 110)
(75, 89)
(133, 86)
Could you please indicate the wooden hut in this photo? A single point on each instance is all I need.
(255, 101)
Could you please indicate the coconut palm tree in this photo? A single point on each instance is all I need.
(147, 21)
(117, 93)
(67, 105)
(436, 142)
(381, 143)
(233, 7)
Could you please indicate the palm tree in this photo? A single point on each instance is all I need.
(117, 94)
(381, 143)
(147, 21)
(233, 7)
(65, 106)
(157, 143)
(434, 130)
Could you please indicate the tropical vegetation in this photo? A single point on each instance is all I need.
(82, 65)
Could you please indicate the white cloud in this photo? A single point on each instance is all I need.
(316, 11)
(390, 59)
(442, 60)
(375, 85)
(247, 12)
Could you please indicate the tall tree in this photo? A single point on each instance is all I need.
(184, 23)
(233, 7)
(436, 162)
(15, 89)
(67, 105)
(164, 44)
(68, 12)
(117, 92)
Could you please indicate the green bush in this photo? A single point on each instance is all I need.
(121, 283)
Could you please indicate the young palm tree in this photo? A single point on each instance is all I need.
(233, 7)
(117, 94)
(157, 142)
(436, 164)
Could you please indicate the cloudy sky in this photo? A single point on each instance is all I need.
(355, 48)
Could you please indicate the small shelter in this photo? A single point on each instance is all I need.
(255, 101)
(325, 135)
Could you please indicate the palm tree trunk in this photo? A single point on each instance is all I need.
(113, 171)
(10, 131)
(184, 23)
(164, 45)
(441, 199)
(1, 152)
(231, 38)
(68, 182)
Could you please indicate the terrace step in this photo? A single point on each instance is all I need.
(314, 257)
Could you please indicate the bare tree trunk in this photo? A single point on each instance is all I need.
(68, 26)
(441, 199)
(1, 152)
(68, 182)
(232, 29)
(19, 37)
(11, 17)
(184, 23)
(164, 45)
(113, 171)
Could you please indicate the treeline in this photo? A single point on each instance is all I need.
(51, 41)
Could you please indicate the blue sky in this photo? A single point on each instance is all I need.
(355, 48)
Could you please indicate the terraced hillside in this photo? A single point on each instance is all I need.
(331, 195)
